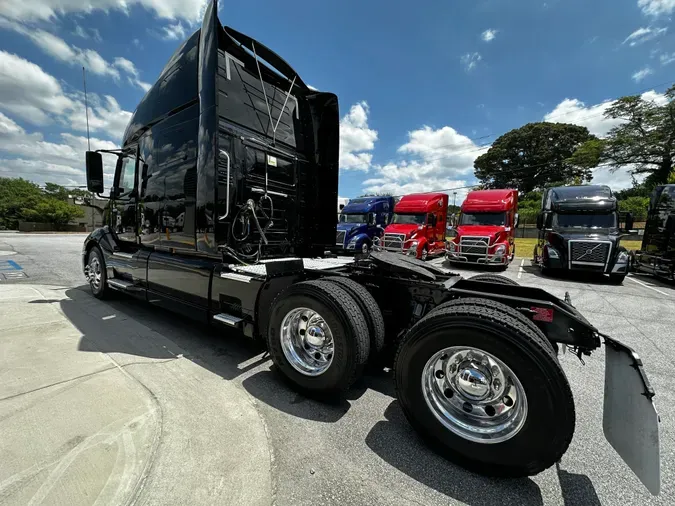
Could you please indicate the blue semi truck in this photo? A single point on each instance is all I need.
(361, 220)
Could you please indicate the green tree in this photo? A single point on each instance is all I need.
(636, 205)
(16, 194)
(52, 210)
(533, 156)
(644, 141)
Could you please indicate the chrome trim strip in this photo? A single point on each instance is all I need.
(227, 195)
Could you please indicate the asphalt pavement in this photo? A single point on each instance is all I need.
(359, 451)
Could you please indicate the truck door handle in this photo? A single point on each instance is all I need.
(227, 182)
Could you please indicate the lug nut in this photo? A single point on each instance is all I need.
(495, 370)
(440, 374)
(496, 384)
(453, 368)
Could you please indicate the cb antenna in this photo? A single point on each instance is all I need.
(86, 106)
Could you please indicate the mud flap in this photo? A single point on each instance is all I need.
(630, 421)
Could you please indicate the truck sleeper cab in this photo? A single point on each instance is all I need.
(486, 229)
(657, 254)
(417, 227)
(476, 372)
(579, 230)
(362, 220)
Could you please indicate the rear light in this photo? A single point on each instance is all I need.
(542, 314)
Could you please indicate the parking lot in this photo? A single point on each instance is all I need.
(119, 401)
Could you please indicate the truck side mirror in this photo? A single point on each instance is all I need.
(516, 219)
(371, 218)
(670, 224)
(94, 165)
(540, 221)
(628, 225)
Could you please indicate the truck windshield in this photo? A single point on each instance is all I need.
(495, 219)
(584, 220)
(410, 219)
(353, 218)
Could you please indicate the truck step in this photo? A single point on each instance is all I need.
(122, 284)
(228, 319)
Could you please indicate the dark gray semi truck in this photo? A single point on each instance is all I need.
(221, 209)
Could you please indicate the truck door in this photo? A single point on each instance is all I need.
(124, 218)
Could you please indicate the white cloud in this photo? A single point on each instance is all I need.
(29, 93)
(62, 51)
(470, 60)
(40, 161)
(488, 35)
(666, 59)
(173, 32)
(433, 159)
(641, 74)
(643, 35)
(82, 33)
(656, 7)
(617, 180)
(44, 10)
(133, 78)
(572, 110)
(356, 139)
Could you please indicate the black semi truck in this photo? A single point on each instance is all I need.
(222, 206)
(657, 254)
(579, 229)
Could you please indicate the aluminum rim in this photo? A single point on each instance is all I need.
(474, 394)
(425, 254)
(307, 341)
(94, 272)
(364, 248)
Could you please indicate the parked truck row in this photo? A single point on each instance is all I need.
(231, 136)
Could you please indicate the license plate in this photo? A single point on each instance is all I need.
(630, 421)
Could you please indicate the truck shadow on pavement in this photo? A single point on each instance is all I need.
(458, 483)
(124, 325)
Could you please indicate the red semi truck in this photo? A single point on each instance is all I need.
(418, 225)
(486, 229)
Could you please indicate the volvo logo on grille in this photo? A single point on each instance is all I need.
(589, 251)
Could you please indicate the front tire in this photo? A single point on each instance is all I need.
(617, 279)
(445, 373)
(318, 337)
(425, 253)
(96, 273)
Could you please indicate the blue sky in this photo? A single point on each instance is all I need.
(424, 87)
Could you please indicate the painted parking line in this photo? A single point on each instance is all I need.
(520, 269)
(9, 265)
(647, 286)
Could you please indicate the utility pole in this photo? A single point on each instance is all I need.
(454, 196)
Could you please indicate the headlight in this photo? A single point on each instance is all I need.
(413, 245)
(352, 242)
(501, 249)
(622, 258)
(552, 253)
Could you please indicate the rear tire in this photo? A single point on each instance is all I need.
(494, 278)
(343, 325)
(528, 444)
(369, 308)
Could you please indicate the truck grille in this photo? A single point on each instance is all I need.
(340, 237)
(589, 252)
(394, 241)
(474, 246)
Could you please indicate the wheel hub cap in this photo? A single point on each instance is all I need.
(474, 394)
(473, 383)
(307, 341)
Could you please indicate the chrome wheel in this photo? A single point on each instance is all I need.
(307, 341)
(425, 254)
(365, 248)
(94, 272)
(474, 394)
